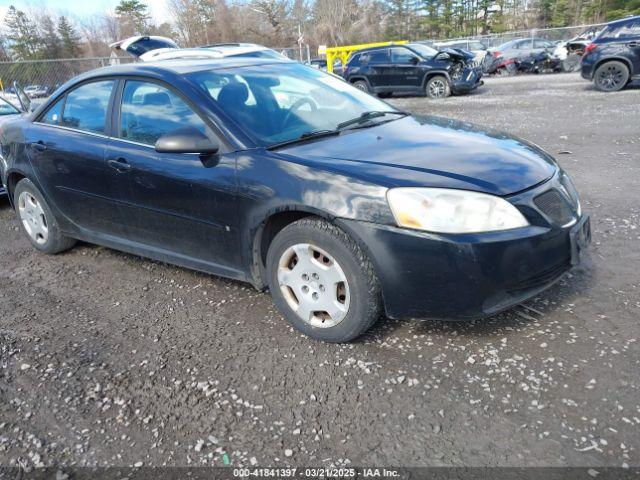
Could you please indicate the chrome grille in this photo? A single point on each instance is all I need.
(555, 206)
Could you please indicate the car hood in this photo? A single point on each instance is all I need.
(432, 152)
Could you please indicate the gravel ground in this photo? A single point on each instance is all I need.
(109, 359)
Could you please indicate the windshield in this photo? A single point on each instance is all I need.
(423, 50)
(282, 102)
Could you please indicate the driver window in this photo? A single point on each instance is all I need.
(150, 111)
(402, 55)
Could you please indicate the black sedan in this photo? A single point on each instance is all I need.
(280, 175)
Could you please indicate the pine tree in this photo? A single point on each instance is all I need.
(69, 39)
(23, 36)
(133, 16)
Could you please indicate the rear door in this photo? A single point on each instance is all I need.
(67, 146)
(179, 203)
(378, 68)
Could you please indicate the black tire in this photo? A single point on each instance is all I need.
(437, 87)
(362, 85)
(55, 241)
(365, 299)
(611, 76)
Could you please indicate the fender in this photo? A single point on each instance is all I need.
(431, 73)
(615, 58)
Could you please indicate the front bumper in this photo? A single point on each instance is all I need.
(470, 79)
(465, 277)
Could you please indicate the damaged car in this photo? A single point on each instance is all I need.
(413, 68)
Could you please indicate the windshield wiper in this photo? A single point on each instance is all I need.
(304, 137)
(369, 115)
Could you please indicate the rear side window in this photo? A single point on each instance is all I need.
(150, 110)
(54, 114)
(626, 30)
(354, 60)
(86, 107)
(379, 56)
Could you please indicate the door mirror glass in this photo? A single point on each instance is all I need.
(186, 140)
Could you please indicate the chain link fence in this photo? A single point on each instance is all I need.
(549, 34)
(39, 78)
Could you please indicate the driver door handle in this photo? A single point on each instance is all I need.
(633, 44)
(39, 145)
(119, 164)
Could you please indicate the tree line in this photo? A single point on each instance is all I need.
(34, 35)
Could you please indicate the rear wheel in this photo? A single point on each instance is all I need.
(437, 87)
(322, 281)
(361, 85)
(37, 220)
(611, 76)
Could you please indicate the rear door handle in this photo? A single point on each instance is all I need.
(119, 164)
(39, 145)
(633, 44)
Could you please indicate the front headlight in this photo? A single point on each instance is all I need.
(444, 210)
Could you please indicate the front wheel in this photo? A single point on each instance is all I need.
(322, 281)
(437, 87)
(37, 220)
(611, 76)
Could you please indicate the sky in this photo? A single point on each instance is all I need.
(82, 8)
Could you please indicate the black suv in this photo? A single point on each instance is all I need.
(413, 68)
(613, 59)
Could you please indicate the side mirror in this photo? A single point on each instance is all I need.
(415, 60)
(443, 56)
(186, 140)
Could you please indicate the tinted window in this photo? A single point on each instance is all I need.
(541, 44)
(52, 116)
(150, 111)
(379, 56)
(625, 30)
(402, 55)
(86, 106)
(354, 60)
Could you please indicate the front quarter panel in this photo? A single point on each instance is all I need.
(270, 183)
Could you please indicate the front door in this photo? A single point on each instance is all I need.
(67, 147)
(404, 70)
(179, 203)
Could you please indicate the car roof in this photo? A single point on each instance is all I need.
(183, 66)
(624, 20)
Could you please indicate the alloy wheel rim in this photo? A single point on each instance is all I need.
(361, 86)
(611, 77)
(33, 218)
(314, 285)
(437, 88)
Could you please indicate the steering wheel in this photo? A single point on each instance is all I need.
(296, 106)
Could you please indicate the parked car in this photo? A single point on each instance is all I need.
(36, 91)
(153, 48)
(280, 175)
(571, 51)
(476, 47)
(412, 68)
(521, 48)
(612, 60)
(7, 111)
(321, 64)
